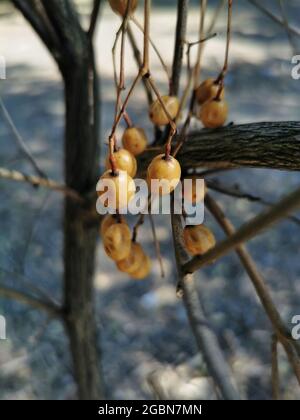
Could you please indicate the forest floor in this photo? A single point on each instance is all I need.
(143, 325)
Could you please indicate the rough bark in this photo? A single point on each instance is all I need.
(273, 145)
(74, 55)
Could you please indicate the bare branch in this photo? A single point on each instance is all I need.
(50, 308)
(205, 337)
(275, 368)
(94, 18)
(21, 143)
(40, 182)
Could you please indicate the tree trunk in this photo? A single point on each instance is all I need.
(81, 170)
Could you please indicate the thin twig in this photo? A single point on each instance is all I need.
(40, 182)
(275, 368)
(247, 231)
(286, 25)
(205, 337)
(21, 143)
(50, 308)
(157, 246)
(94, 18)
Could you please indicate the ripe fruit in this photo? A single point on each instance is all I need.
(193, 191)
(144, 269)
(125, 161)
(120, 6)
(198, 239)
(167, 171)
(157, 113)
(213, 114)
(134, 260)
(116, 191)
(117, 241)
(109, 220)
(207, 91)
(134, 140)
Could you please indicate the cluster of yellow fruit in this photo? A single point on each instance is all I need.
(118, 245)
(213, 108)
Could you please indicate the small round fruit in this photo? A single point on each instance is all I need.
(135, 140)
(198, 239)
(117, 241)
(116, 191)
(207, 91)
(109, 220)
(132, 263)
(165, 170)
(144, 269)
(213, 114)
(125, 161)
(157, 113)
(192, 192)
(120, 6)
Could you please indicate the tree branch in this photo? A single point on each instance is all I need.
(50, 308)
(205, 337)
(273, 145)
(94, 18)
(247, 231)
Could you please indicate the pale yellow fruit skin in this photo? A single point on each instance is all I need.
(125, 161)
(144, 269)
(207, 91)
(213, 114)
(117, 184)
(157, 113)
(132, 263)
(120, 6)
(190, 192)
(135, 140)
(198, 239)
(109, 220)
(166, 170)
(117, 241)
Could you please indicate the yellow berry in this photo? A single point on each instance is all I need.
(158, 115)
(132, 263)
(125, 161)
(117, 190)
(191, 193)
(144, 269)
(213, 114)
(117, 241)
(109, 220)
(165, 170)
(134, 140)
(120, 6)
(198, 239)
(207, 91)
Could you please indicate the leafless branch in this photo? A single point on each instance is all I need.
(94, 18)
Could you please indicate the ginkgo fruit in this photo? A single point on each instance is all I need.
(132, 263)
(198, 239)
(144, 269)
(167, 171)
(117, 241)
(135, 140)
(213, 114)
(158, 114)
(109, 220)
(116, 190)
(124, 161)
(207, 91)
(120, 6)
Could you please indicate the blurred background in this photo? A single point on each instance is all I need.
(143, 325)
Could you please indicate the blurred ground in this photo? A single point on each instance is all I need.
(143, 326)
